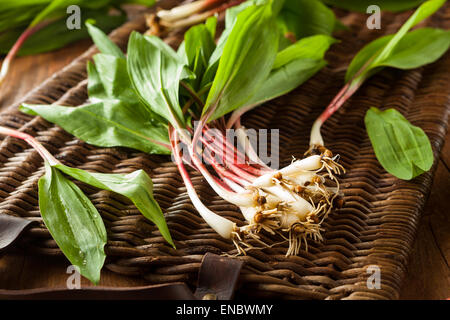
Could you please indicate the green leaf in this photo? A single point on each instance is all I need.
(313, 47)
(115, 118)
(96, 90)
(362, 59)
(293, 66)
(211, 26)
(418, 48)
(17, 15)
(56, 35)
(112, 72)
(232, 13)
(156, 71)
(385, 5)
(213, 63)
(24, 13)
(54, 5)
(286, 79)
(423, 12)
(136, 186)
(58, 8)
(198, 46)
(198, 42)
(20, 4)
(106, 125)
(73, 222)
(305, 18)
(247, 59)
(103, 43)
(230, 18)
(389, 50)
(402, 149)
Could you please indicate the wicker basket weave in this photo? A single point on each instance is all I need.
(376, 227)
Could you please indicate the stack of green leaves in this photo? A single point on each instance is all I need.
(133, 100)
(30, 27)
(402, 149)
(72, 219)
(74, 222)
(18, 15)
(147, 82)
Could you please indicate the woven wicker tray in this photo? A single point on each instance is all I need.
(376, 227)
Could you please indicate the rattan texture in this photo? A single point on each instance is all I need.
(376, 226)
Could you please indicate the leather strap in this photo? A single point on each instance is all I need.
(174, 291)
(217, 280)
(218, 277)
(10, 229)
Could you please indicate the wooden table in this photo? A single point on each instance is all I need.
(428, 272)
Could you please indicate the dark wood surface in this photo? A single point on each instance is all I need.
(428, 271)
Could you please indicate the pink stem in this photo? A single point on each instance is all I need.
(223, 184)
(232, 173)
(242, 163)
(219, 188)
(162, 144)
(252, 153)
(343, 95)
(178, 159)
(236, 116)
(240, 172)
(221, 225)
(252, 170)
(47, 156)
(335, 104)
(225, 6)
(16, 47)
(223, 173)
(203, 169)
(230, 147)
(182, 168)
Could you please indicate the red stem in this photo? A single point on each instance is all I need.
(162, 144)
(44, 153)
(18, 44)
(230, 147)
(237, 171)
(225, 6)
(259, 162)
(343, 95)
(209, 3)
(222, 172)
(179, 162)
(223, 184)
